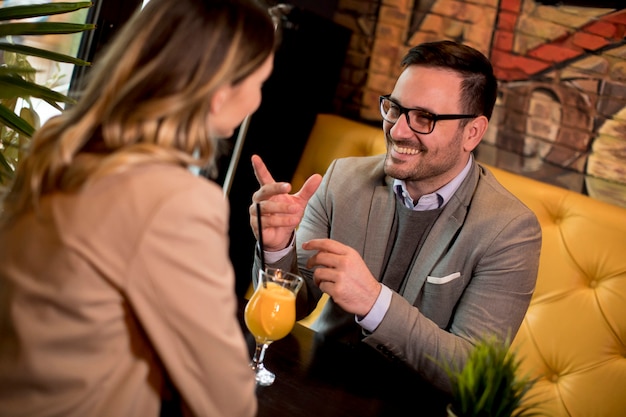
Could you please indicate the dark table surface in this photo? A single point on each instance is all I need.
(326, 378)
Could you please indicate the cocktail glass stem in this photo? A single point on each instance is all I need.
(264, 377)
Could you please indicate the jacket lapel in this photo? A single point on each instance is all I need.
(379, 225)
(441, 235)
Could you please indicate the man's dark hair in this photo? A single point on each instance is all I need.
(479, 86)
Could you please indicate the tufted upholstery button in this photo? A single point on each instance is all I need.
(571, 336)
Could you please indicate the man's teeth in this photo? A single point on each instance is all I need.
(405, 151)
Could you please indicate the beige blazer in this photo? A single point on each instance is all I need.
(107, 294)
(473, 277)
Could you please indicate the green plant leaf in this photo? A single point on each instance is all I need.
(12, 120)
(10, 86)
(6, 170)
(17, 79)
(12, 70)
(489, 384)
(42, 53)
(37, 10)
(43, 28)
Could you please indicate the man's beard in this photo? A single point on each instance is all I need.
(424, 168)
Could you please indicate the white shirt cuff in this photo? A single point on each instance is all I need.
(271, 257)
(371, 321)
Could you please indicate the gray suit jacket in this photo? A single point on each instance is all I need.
(473, 277)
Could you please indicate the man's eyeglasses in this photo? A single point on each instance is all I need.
(419, 120)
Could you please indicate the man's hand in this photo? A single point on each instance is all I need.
(281, 212)
(343, 275)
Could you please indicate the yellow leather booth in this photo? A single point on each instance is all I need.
(574, 334)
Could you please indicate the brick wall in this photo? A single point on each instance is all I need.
(561, 113)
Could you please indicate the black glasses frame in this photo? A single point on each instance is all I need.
(423, 113)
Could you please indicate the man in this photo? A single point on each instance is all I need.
(421, 250)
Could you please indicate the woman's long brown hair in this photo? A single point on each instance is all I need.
(147, 98)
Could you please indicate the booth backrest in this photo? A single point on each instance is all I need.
(334, 137)
(573, 337)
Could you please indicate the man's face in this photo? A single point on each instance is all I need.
(431, 159)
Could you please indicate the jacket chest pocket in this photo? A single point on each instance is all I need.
(439, 297)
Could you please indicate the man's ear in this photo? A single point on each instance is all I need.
(219, 98)
(474, 132)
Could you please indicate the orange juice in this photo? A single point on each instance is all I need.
(271, 312)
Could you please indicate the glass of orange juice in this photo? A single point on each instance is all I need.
(271, 314)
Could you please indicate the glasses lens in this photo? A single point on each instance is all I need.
(389, 110)
(420, 121)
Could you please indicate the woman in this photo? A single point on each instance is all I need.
(116, 290)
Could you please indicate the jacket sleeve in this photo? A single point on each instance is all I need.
(182, 293)
(500, 280)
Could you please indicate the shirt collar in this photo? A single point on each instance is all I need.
(434, 200)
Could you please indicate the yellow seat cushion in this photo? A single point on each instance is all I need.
(334, 137)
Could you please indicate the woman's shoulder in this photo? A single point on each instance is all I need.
(153, 183)
(139, 193)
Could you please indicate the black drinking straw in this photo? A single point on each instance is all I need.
(261, 253)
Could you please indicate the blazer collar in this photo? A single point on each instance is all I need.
(442, 233)
(382, 207)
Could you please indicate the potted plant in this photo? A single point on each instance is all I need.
(17, 76)
(489, 383)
